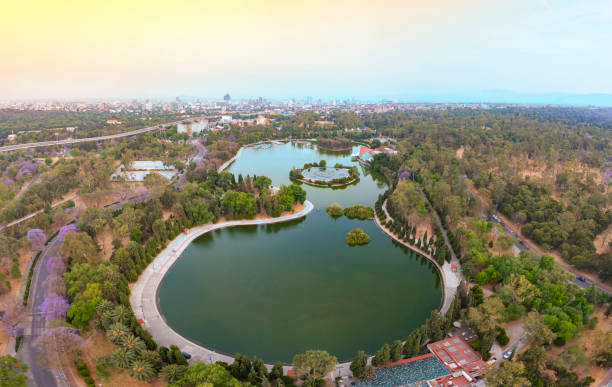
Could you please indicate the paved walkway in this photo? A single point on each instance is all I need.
(143, 297)
(450, 279)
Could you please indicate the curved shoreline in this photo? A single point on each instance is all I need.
(450, 281)
(304, 181)
(143, 296)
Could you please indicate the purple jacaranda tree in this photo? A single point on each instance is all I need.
(141, 192)
(12, 318)
(404, 175)
(56, 265)
(64, 230)
(54, 306)
(37, 238)
(28, 167)
(9, 182)
(54, 284)
(56, 346)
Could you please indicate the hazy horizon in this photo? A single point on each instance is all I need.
(417, 51)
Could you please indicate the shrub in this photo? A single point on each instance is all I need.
(502, 337)
(15, 273)
(334, 210)
(359, 212)
(357, 237)
(18, 342)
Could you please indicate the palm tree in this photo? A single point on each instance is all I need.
(123, 357)
(173, 372)
(121, 313)
(116, 332)
(133, 343)
(152, 358)
(141, 370)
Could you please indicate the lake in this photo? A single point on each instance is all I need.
(272, 291)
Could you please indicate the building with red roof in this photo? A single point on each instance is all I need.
(457, 355)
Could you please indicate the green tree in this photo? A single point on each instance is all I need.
(359, 366)
(173, 373)
(510, 373)
(12, 372)
(79, 246)
(209, 375)
(314, 364)
(262, 182)
(141, 370)
(84, 305)
(396, 350)
(383, 356)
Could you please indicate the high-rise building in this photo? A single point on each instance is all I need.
(227, 97)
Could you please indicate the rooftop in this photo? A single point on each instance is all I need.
(408, 372)
(457, 355)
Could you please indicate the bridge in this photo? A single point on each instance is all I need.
(10, 148)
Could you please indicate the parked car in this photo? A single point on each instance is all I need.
(581, 278)
(508, 354)
(187, 356)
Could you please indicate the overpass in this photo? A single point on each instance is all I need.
(10, 148)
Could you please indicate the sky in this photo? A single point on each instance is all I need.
(282, 49)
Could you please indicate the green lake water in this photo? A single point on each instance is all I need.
(272, 291)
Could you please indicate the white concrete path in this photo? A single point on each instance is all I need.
(450, 279)
(143, 297)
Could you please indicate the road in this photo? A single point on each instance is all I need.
(9, 148)
(580, 278)
(39, 376)
(30, 216)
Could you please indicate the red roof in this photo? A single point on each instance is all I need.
(364, 149)
(457, 355)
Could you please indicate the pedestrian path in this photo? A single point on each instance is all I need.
(143, 297)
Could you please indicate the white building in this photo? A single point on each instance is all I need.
(192, 127)
(226, 119)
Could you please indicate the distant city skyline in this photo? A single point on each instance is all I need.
(408, 51)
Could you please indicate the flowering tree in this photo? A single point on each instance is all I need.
(54, 307)
(12, 318)
(37, 238)
(54, 283)
(55, 345)
(64, 230)
(56, 265)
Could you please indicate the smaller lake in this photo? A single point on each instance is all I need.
(325, 173)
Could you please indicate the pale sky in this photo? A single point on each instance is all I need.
(283, 49)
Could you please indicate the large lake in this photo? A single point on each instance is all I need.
(276, 290)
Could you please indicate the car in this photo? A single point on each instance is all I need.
(508, 354)
(186, 355)
(581, 278)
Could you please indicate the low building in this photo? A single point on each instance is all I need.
(450, 362)
(138, 170)
(458, 356)
(192, 127)
(113, 122)
(366, 154)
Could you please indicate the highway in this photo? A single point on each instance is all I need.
(10, 148)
